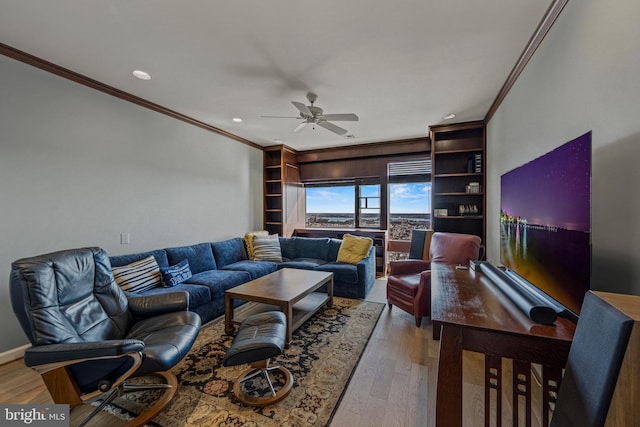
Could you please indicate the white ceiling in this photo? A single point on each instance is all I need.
(400, 66)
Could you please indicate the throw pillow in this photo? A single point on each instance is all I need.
(176, 274)
(267, 248)
(354, 249)
(248, 241)
(138, 276)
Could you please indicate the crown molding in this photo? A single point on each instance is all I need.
(541, 31)
(52, 68)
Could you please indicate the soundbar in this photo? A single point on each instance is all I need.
(538, 308)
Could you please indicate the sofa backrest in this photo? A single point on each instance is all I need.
(229, 251)
(200, 257)
(159, 254)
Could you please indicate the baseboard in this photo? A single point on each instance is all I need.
(13, 354)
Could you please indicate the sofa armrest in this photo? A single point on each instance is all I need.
(408, 266)
(143, 306)
(82, 351)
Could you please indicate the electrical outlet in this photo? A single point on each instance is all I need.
(124, 238)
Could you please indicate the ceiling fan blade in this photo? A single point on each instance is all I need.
(299, 127)
(330, 126)
(281, 117)
(340, 117)
(303, 108)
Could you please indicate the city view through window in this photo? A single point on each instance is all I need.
(335, 207)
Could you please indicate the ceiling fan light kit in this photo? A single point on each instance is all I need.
(311, 114)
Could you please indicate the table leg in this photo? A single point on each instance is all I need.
(449, 389)
(287, 309)
(229, 329)
(330, 292)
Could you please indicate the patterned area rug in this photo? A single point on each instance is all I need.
(322, 356)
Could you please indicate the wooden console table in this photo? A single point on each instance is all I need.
(470, 313)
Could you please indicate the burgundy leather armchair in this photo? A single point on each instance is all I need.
(409, 281)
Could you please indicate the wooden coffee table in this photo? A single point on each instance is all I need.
(290, 290)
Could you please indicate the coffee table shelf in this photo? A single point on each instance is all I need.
(302, 310)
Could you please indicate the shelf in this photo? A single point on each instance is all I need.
(274, 195)
(459, 217)
(465, 150)
(273, 210)
(460, 193)
(457, 175)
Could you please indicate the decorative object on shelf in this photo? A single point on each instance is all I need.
(474, 187)
(440, 212)
(468, 210)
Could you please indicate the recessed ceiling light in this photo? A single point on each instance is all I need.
(278, 141)
(449, 116)
(237, 119)
(142, 75)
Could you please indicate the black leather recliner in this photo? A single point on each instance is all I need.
(88, 337)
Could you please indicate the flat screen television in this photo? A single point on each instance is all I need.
(545, 223)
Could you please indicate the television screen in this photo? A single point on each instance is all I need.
(545, 222)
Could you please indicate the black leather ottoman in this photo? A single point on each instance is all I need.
(260, 337)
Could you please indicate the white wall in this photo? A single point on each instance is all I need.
(585, 76)
(79, 167)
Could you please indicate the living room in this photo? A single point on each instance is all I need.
(78, 169)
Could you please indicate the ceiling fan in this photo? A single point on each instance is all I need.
(310, 114)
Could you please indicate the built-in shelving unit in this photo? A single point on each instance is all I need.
(458, 178)
(283, 204)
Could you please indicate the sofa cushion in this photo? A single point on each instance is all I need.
(159, 254)
(308, 247)
(219, 281)
(254, 268)
(176, 274)
(288, 247)
(267, 248)
(345, 273)
(139, 276)
(334, 248)
(200, 257)
(229, 251)
(302, 263)
(354, 249)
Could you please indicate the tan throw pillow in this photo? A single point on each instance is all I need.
(248, 241)
(267, 248)
(354, 249)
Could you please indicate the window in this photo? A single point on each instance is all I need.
(409, 200)
(409, 209)
(343, 205)
(369, 212)
(330, 206)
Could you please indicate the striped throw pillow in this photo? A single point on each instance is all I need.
(138, 276)
(267, 248)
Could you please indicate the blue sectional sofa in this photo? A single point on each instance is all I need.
(218, 266)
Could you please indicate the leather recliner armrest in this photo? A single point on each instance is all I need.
(144, 306)
(408, 266)
(78, 352)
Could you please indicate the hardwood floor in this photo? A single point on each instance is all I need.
(393, 385)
